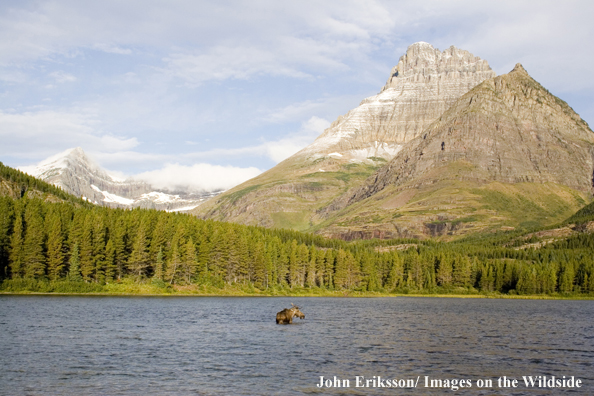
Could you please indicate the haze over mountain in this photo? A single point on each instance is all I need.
(423, 84)
(464, 156)
(74, 172)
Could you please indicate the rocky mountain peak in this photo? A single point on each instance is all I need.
(518, 68)
(423, 63)
(424, 83)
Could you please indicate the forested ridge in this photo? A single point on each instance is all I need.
(75, 243)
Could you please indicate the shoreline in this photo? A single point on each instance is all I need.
(310, 295)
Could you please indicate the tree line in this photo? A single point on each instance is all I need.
(61, 241)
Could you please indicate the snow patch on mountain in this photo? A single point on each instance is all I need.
(73, 171)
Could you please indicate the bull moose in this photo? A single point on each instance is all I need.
(286, 315)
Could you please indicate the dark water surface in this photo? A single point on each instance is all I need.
(232, 346)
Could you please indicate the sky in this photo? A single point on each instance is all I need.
(207, 94)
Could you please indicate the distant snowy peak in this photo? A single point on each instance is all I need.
(74, 159)
(73, 171)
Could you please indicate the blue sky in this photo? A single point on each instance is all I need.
(210, 93)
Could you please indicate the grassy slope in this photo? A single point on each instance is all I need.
(459, 207)
(288, 195)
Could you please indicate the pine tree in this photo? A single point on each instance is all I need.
(566, 278)
(34, 258)
(260, 267)
(85, 244)
(74, 269)
(341, 274)
(110, 264)
(293, 264)
(462, 271)
(190, 262)
(302, 263)
(99, 235)
(173, 264)
(138, 261)
(159, 265)
(6, 221)
(330, 268)
(16, 255)
(118, 237)
(311, 269)
(396, 274)
(55, 247)
(444, 271)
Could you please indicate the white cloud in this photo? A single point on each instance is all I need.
(276, 150)
(284, 148)
(62, 77)
(198, 177)
(45, 132)
(112, 49)
(224, 63)
(332, 50)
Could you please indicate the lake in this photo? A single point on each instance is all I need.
(67, 345)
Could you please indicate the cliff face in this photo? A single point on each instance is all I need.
(423, 84)
(508, 131)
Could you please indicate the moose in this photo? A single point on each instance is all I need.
(286, 315)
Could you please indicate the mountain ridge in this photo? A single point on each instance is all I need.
(73, 171)
(508, 136)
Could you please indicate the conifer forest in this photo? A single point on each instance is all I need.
(51, 242)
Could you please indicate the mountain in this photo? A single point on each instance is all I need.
(74, 172)
(16, 184)
(508, 153)
(423, 84)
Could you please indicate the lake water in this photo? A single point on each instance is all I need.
(232, 346)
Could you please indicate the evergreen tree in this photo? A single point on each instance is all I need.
(260, 268)
(311, 268)
(174, 263)
(566, 278)
(330, 268)
(396, 274)
(293, 264)
(16, 255)
(444, 271)
(85, 244)
(462, 271)
(34, 258)
(110, 263)
(138, 262)
(159, 265)
(6, 221)
(55, 247)
(99, 260)
(190, 263)
(74, 268)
